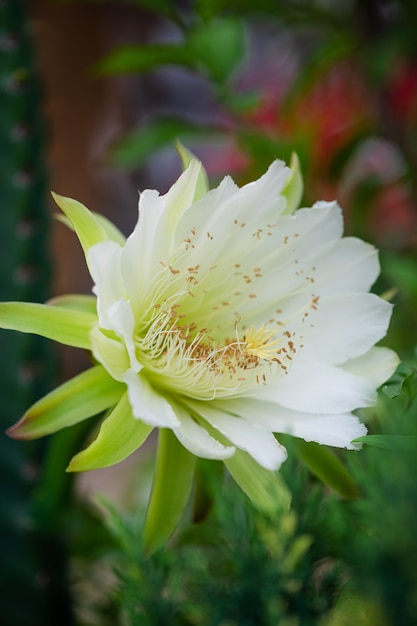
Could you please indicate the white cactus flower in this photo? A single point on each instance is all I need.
(225, 317)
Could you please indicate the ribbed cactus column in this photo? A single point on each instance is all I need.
(24, 275)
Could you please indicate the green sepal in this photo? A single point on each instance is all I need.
(111, 229)
(119, 435)
(324, 464)
(187, 157)
(52, 322)
(389, 442)
(76, 302)
(85, 395)
(293, 188)
(88, 228)
(264, 488)
(172, 483)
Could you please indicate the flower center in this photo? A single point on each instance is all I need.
(192, 362)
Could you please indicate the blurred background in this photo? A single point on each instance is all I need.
(93, 96)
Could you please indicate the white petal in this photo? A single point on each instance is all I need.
(351, 266)
(287, 259)
(148, 405)
(122, 322)
(344, 327)
(105, 268)
(228, 213)
(196, 438)
(320, 388)
(145, 247)
(334, 430)
(153, 239)
(261, 445)
(377, 365)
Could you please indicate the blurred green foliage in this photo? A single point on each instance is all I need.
(329, 561)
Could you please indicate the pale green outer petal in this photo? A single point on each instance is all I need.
(321, 388)
(202, 186)
(147, 404)
(58, 323)
(112, 231)
(88, 228)
(266, 489)
(182, 194)
(333, 429)
(86, 395)
(260, 444)
(110, 352)
(76, 302)
(196, 438)
(293, 188)
(377, 365)
(344, 327)
(119, 436)
(327, 467)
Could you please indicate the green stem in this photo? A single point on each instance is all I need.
(173, 480)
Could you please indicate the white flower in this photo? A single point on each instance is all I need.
(225, 317)
(230, 318)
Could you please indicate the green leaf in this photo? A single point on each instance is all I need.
(266, 489)
(120, 434)
(324, 464)
(219, 46)
(53, 322)
(139, 145)
(389, 442)
(186, 157)
(293, 188)
(88, 228)
(88, 394)
(170, 490)
(112, 231)
(131, 59)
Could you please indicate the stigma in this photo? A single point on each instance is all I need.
(258, 343)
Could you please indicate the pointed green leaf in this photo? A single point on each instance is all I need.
(75, 302)
(120, 434)
(171, 488)
(137, 146)
(218, 46)
(324, 464)
(53, 322)
(187, 157)
(142, 58)
(266, 489)
(389, 442)
(88, 228)
(293, 188)
(86, 395)
(112, 231)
